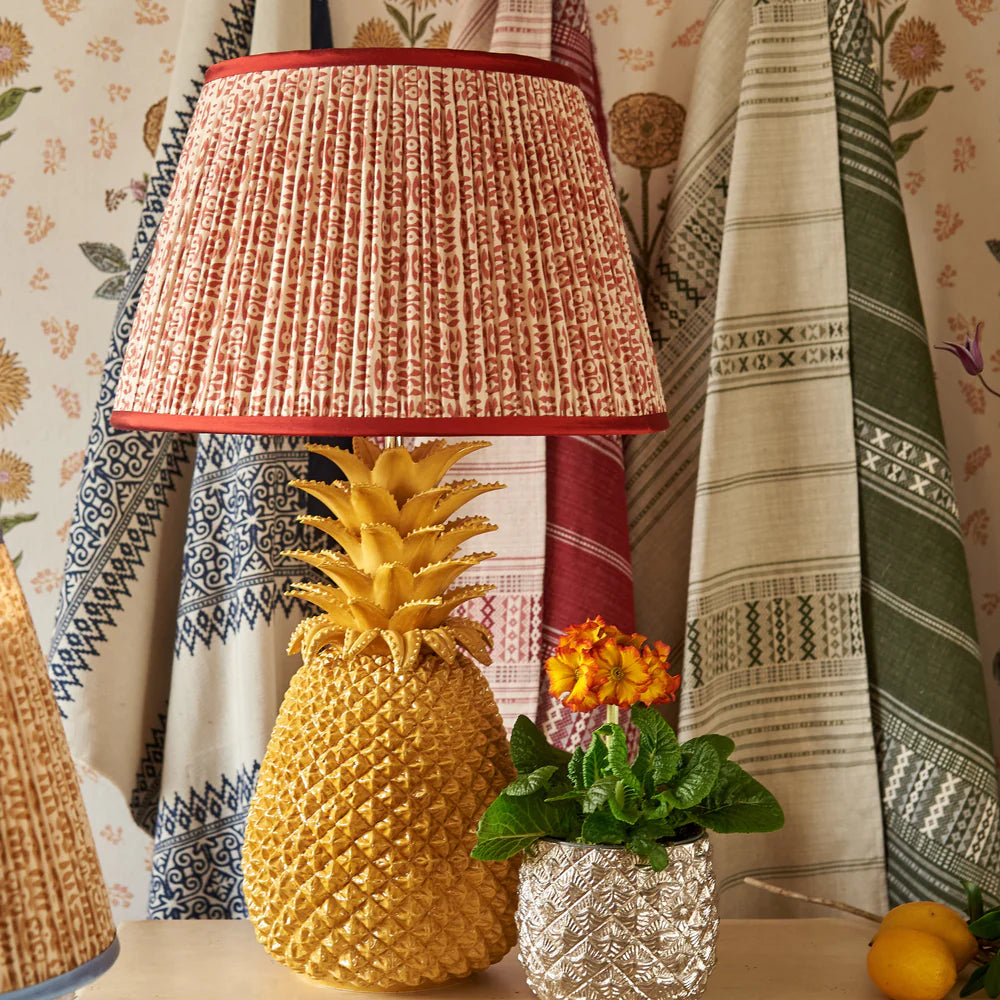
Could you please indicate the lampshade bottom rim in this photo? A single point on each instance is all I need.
(68, 982)
(329, 426)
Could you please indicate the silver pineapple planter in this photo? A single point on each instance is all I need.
(597, 923)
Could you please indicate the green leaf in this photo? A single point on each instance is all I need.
(696, 776)
(598, 793)
(105, 257)
(7, 523)
(973, 899)
(16, 561)
(510, 825)
(991, 981)
(654, 853)
(975, 981)
(659, 752)
(595, 761)
(530, 750)
(917, 104)
(994, 248)
(617, 745)
(738, 804)
(901, 144)
(6, 136)
(112, 288)
(890, 21)
(722, 745)
(575, 769)
(423, 25)
(624, 802)
(652, 829)
(602, 828)
(525, 784)
(10, 100)
(400, 20)
(988, 925)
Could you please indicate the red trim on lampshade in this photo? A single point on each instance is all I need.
(495, 62)
(407, 426)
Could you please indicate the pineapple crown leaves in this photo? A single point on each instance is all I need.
(391, 587)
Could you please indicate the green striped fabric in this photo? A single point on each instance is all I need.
(939, 791)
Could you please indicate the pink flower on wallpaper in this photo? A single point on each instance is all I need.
(607, 15)
(103, 138)
(61, 10)
(38, 282)
(53, 156)
(68, 400)
(977, 526)
(118, 92)
(45, 581)
(977, 78)
(959, 324)
(691, 35)
(167, 60)
(93, 365)
(662, 6)
(37, 225)
(964, 153)
(975, 397)
(995, 360)
(991, 601)
(637, 59)
(120, 895)
(946, 279)
(64, 77)
(62, 336)
(112, 834)
(71, 465)
(948, 222)
(6, 183)
(62, 532)
(105, 48)
(975, 460)
(974, 11)
(149, 12)
(914, 181)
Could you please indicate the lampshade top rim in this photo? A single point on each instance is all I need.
(494, 62)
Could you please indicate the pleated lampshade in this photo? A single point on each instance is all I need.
(56, 931)
(391, 241)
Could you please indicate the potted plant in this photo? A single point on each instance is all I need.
(617, 893)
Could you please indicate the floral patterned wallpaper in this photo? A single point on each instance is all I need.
(82, 88)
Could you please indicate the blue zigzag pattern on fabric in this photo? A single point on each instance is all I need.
(197, 872)
(242, 515)
(145, 797)
(127, 476)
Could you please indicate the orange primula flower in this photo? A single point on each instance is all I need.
(598, 664)
(570, 673)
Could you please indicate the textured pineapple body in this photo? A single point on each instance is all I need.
(356, 861)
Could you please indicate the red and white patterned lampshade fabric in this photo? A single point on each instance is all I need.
(377, 241)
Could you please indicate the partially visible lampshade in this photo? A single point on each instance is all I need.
(391, 241)
(56, 931)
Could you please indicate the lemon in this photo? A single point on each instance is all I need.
(911, 965)
(937, 919)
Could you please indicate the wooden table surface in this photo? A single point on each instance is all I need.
(817, 959)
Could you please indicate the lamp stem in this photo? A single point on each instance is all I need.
(613, 714)
(393, 441)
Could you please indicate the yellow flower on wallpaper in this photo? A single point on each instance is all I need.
(14, 50)
(377, 34)
(438, 38)
(13, 385)
(15, 477)
(916, 50)
(646, 130)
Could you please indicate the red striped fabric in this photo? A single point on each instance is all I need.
(588, 562)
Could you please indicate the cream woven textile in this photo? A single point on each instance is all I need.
(774, 653)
